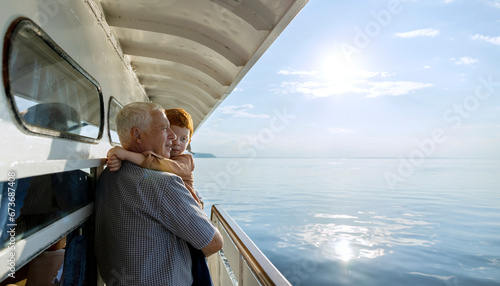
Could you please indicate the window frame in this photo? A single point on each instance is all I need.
(13, 29)
(112, 99)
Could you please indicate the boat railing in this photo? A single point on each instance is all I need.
(240, 262)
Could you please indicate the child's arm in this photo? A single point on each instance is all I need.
(182, 168)
(118, 154)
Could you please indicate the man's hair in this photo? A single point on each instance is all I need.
(136, 114)
(179, 117)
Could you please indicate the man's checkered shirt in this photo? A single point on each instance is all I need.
(143, 220)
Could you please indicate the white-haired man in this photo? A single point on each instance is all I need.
(145, 218)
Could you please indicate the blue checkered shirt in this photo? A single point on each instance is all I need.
(143, 220)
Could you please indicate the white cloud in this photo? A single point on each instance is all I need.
(340, 131)
(495, 3)
(354, 73)
(241, 111)
(492, 40)
(395, 88)
(472, 126)
(313, 89)
(464, 61)
(367, 83)
(369, 74)
(287, 72)
(419, 33)
(386, 74)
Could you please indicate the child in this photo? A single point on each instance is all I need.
(180, 164)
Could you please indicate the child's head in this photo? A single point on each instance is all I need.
(182, 125)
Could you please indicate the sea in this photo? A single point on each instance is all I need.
(364, 221)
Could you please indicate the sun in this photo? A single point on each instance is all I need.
(334, 67)
(337, 76)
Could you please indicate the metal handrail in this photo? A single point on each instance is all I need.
(265, 272)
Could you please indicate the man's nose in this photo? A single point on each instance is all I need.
(171, 134)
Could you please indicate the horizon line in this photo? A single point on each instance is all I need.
(354, 157)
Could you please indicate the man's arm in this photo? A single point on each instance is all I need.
(214, 245)
(181, 215)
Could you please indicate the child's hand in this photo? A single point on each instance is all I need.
(117, 151)
(114, 164)
(114, 161)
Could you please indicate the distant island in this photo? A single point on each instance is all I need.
(203, 155)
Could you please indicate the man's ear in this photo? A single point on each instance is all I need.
(135, 133)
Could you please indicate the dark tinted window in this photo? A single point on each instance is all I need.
(33, 203)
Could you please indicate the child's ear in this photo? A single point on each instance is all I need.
(135, 133)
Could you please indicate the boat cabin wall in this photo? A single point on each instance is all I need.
(76, 28)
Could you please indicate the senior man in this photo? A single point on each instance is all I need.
(145, 218)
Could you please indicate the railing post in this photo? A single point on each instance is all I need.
(214, 260)
(247, 262)
(240, 271)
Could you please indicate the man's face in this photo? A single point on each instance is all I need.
(159, 136)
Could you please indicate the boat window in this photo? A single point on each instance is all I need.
(30, 204)
(50, 93)
(114, 107)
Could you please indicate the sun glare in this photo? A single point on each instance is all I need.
(343, 250)
(335, 68)
(338, 76)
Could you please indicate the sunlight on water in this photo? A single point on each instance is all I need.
(343, 250)
(336, 222)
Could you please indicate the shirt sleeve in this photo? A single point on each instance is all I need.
(182, 215)
(186, 160)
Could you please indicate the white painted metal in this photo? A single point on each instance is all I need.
(225, 279)
(247, 263)
(27, 249)
(24, 169)
(179, 53)
(192, 53)
(188, 54)
(74, 27)
(230, 251)
(246, 275)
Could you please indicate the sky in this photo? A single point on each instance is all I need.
(409, 79)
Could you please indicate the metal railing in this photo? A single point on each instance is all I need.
(240, 262)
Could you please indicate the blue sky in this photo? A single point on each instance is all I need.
(369, 79)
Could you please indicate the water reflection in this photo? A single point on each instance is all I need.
(345, 237)
(440, 277)
(343, 250)
(443, 223)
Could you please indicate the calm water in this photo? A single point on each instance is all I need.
(337, 221)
